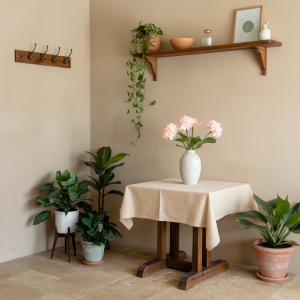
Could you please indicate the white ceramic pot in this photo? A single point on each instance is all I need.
(62, 221)
(190, 167)
(100, 226)
(91, 252)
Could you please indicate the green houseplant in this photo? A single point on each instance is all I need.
(273, 252)
(64, 197)
(143, 36)
(93, 241)
(103, 167)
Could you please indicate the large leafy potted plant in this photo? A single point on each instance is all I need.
(145, 37)
(93, 241)
(273, 252)
(65, 199)
(103, 167)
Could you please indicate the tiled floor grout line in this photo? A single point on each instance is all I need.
(284, 287)
(103, 286)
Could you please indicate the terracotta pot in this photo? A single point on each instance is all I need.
(155, 40)
(273, 263)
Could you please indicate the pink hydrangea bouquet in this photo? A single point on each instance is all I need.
(191, 142)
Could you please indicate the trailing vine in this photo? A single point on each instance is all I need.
(141, 38)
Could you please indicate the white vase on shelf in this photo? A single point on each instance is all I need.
(190, 167)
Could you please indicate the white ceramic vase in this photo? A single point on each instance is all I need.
(62, 221)
(190, 167)
(100, 226)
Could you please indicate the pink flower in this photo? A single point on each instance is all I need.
(196, 124)
(215, 128)
(170, 131)
(185, 123)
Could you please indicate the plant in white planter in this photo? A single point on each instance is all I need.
(64, 198)
(273, 252)
(93, 241)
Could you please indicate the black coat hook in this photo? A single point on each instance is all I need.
(41, 59)
(29, 56)
(53, 59)
(65, 60)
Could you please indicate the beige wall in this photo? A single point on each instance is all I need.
(45, 113)
(259, 115)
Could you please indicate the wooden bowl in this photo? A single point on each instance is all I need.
(182, 43)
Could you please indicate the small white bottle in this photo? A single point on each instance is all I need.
(265, 33)
(207, 39)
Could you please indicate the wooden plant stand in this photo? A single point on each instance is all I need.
(199, 269)
(67, 241)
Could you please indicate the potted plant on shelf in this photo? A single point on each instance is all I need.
(273, 252)
(93, 241)
(146, 37)
(102, 167)
(190, 163)
(64, 198)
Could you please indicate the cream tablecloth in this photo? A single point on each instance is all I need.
(199, 205)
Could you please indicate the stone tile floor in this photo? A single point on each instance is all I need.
(38, 277)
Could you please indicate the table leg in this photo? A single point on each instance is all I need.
(202, 268)
(159, 263)
(175, 253)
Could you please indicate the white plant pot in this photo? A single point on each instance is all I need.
(190, 167)
(91, 252)
(62, 221)
(100, 226)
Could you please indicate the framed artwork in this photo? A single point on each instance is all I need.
(247, 24)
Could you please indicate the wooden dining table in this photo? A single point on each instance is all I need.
(199, 206)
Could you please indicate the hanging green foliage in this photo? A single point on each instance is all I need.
(141, 38)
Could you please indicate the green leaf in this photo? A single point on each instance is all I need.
(245, 222)
(73, 193)
(116, 182)
(65, 175)
(98, 243)
(278, 200)
(271, 220)
(273, 203)
(294, 209)
(47, 187)
(253, 214)
(41, 217)
(93, 231)
(181, 134)
(260, 227)
(91, 215)
(194, 141)
(180, 146)
(99, 217)
(67, 209)
(79, 231)
(106, 177)
(290, 242)
(68, 183)
(116, 192)
(292, 220)
(91, 153)
(94, 165)
(109, 170)
(55, 194)
(83, 187)
(282, 209)
(45, 201)
(265, 206)
(115, 159)
(182, 140)
(74, 177)
(209, 140)
(296, 229)
(58, 176)
(88, 222)
(93, 185)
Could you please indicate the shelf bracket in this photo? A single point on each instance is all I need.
(153, 63)
(262, 51)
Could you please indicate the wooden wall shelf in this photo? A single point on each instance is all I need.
(259, 46)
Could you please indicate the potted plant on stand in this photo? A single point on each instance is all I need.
(64, 198)
(102, 167)
(145, 38)
(93, 241)
(273, 252)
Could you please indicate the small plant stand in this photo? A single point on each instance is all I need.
(67, 241)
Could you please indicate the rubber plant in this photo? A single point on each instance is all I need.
(141, 37)
(279, 222)
(102, 167)
(64, 197)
